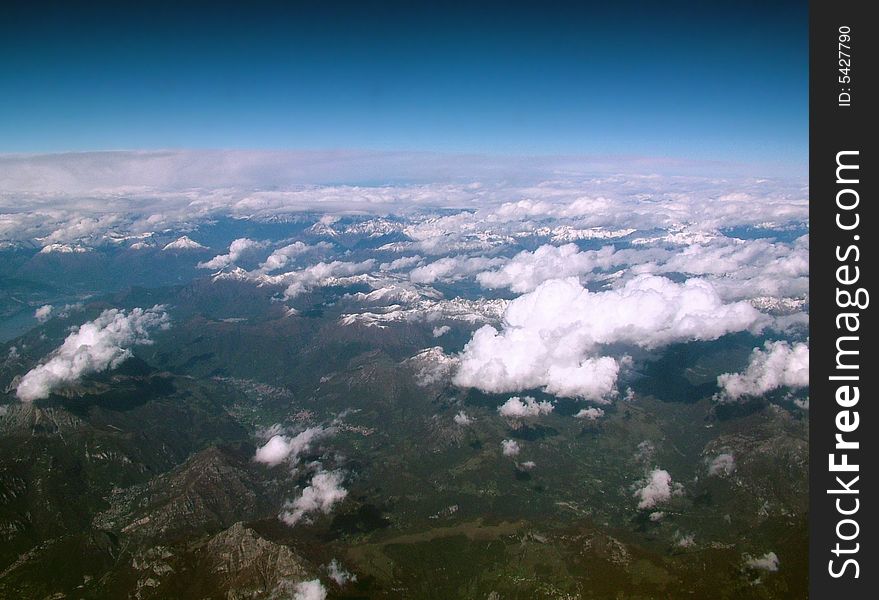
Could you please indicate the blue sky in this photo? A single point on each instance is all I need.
(706, 80)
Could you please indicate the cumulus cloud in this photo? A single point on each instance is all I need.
(338, 573)
(93, 347)
(451, 268)
(549, 336)
(777, 364)
(592, 413)
(722, 464)
(510, 448)
(739, 268)
(593, 378)
(527, 270)
(79, 228)
(657, 489)
(400, 263)
(462, 419)
(281, 257)
(758, 269)
(281, 447)
(441, 331)
(525, 407)
(43, 313)
(322, 274)
(236, 249)
(312, 589)
(767, 562)
(63, 249)
(47, 311)
(321, 494)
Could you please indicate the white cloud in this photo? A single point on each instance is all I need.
(451, 268)
(722, 464)
(324, 491)
(63, 249)
(548, 335)
(322, 274)
(462, 419)
(767, 562)
(79, 228)
(527, 465)
(593, 378)
(236, 249)
(441, 331)
(281, 257)
(309, 590)
(338, 573)
(657, 489)
(738, 269)
(527, 270)
(93, 347)
(510, 448)
(47, 311)
(778, 364)
(591, 413)
(281, 447)
(525, 407)
(401, 263)
(43, 313)
(744, 268)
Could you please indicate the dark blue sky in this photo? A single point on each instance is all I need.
(714, 80)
